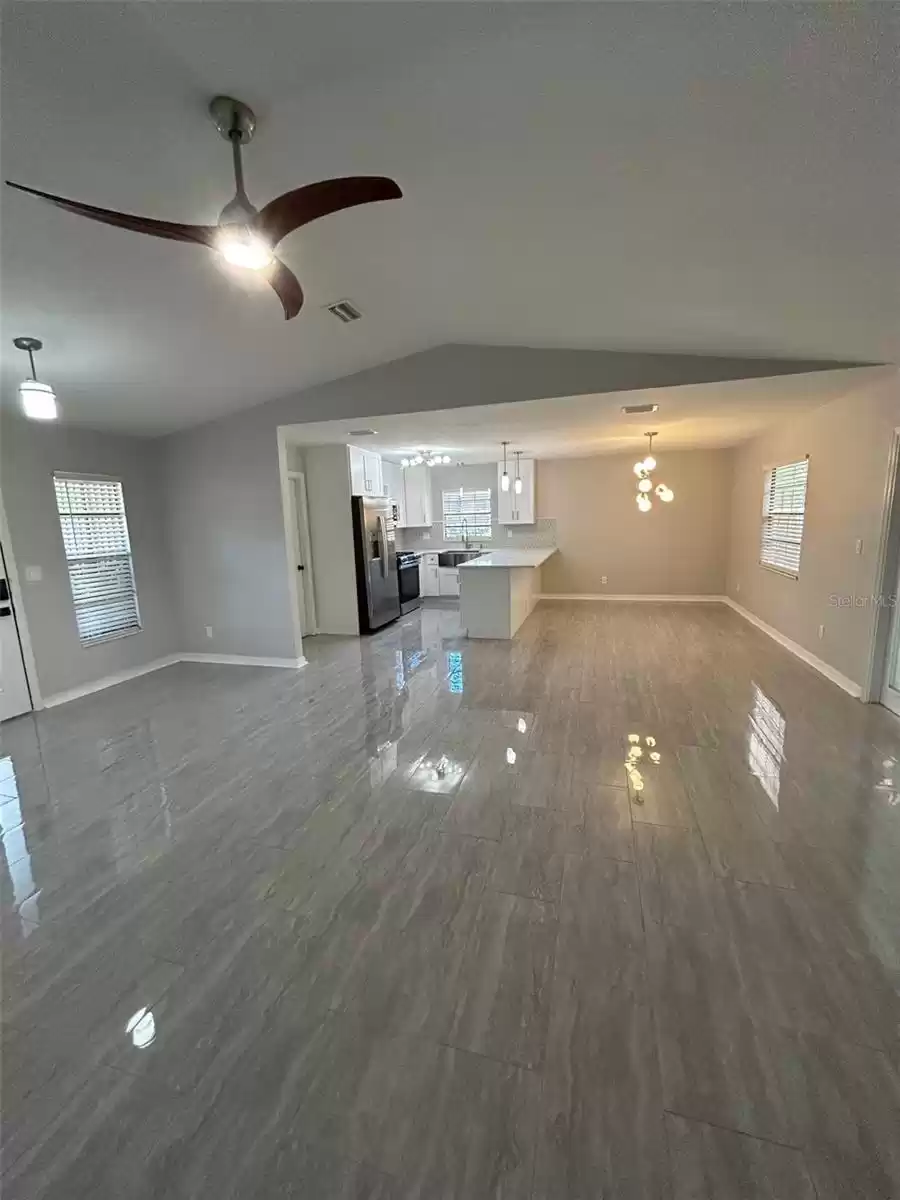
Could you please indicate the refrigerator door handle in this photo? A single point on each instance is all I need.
(382, 537)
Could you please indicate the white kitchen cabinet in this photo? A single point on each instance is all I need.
(417, 497)
(392, 477)
(516, 508)
(365, 472)
(429, 575)
(448, 581)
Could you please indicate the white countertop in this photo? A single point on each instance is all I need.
(509, 558)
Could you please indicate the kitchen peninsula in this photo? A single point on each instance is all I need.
(497, 591)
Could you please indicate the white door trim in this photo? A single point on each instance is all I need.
(288, 519)
(15, 588)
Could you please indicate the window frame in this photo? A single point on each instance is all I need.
(76, 560)
(766, 515)
(456, 518)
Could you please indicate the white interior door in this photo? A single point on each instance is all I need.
(305, 594)
(890, 692)
(15, 697)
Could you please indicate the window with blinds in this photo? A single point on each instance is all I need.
(784, 509)
(98, 553)
(467, 513)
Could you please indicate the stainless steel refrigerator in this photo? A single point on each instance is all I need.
(374, 542)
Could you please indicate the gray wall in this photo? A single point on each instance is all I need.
(675, 549)
(848, 442)
(222, 478)
(29, 454)
(331, 539)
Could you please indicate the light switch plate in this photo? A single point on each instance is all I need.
(34, 574)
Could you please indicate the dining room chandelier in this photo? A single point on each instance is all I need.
(644, 470)
(431, 458)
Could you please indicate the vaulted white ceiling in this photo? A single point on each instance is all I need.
(706, 178)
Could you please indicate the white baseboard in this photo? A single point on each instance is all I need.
(242, 660)
(818, 664)
(706, 599)
(97, 685)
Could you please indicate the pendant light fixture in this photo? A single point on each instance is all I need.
(645, 486)
(504, 478)
(518, 483)
(38, 400)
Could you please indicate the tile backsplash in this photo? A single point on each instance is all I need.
(539, 536)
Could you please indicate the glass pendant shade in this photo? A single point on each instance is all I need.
(38, 400)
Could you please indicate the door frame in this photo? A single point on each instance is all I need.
(888, 564)
(18, 607)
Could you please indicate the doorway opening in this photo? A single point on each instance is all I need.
(15, 689)
(884, 681)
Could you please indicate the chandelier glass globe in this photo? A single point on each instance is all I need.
(645, 485)
(649, 463)
(644, 503)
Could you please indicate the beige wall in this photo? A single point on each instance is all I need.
(676, 549)
(848, 442)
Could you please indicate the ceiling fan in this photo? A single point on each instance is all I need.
(246, 236)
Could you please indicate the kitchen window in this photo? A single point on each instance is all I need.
(469, 505)
(98, 554)
(783, 515)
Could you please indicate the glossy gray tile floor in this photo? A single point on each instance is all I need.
(607, 911)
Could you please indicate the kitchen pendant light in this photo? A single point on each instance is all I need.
(645, 484)
(504, 478)
(38, 400)
(518, 484)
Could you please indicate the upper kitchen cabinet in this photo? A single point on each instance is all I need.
(416, 511)
(365, 472)
(516, 508)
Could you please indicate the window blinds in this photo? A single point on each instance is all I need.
(98, 554)
(472, 506)
(784, 507)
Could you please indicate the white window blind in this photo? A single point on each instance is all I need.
(98, 553)
(472, 506)
(784, 507)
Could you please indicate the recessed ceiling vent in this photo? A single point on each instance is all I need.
(363, 432)
(344, 311)
(633, 409)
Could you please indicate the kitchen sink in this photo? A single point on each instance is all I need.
(452, 558)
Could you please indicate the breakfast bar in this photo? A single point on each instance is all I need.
(497, 591)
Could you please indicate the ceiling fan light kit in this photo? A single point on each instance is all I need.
(245, 237)
(38, 400)
(645, 486)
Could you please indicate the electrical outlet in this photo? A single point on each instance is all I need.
(509, 533)
(209, 631)
(859, 545)
(34, 574)
(821, 632)
(426, 537)
(603, 579)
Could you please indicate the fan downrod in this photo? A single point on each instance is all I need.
(230, 115)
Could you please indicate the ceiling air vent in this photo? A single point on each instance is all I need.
(357, 433)
(632, 409)
(344, 311)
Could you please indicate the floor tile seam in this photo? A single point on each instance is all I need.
(798, 1147)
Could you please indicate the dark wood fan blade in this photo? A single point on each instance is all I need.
(201, 234)
(288, 212)
(287, 287)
